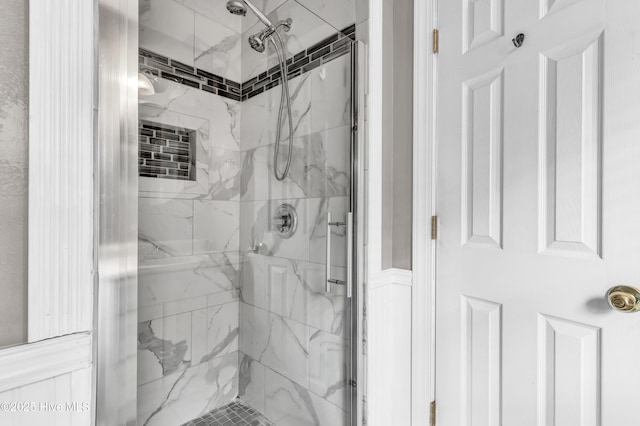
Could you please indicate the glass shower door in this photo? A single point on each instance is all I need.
(244, 308)
(295, 315)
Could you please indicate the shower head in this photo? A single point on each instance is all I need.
(236, 7)
(239, 7)
(257, 41)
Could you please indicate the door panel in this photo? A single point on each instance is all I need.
(539, 206)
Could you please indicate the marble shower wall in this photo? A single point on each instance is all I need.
(198, 33)
(228, 308)
(189, 262)
(293, 335)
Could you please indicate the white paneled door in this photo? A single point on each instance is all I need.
(538, 199)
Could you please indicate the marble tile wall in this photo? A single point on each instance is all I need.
(195, 32)
(189, 262)
(227, 307)
(293, 334)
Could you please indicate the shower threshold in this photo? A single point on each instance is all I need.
(236, 413)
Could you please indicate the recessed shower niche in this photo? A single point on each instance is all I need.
(166, 152)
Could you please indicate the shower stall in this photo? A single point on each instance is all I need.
(248, 295)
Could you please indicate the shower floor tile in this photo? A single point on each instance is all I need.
(235, 414)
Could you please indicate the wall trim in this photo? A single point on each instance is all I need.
(392, 276)
(27, 364)
(389, 348)
(424, 206)
(373, 165)
(61, 209)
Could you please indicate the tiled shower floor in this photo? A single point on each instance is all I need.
(234, 414)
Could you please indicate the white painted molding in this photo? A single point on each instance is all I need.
(389, 348)
(374, 140)
(423, 300)
(26, 364)
(61, 181)
(393, 276)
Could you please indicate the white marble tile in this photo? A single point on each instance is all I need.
(217, 48)
(165, 227)
(253, 280)
(331, 95)
(289, 404)
(186, 395)
(215, 332)
(216, 226)
(328, 370)
(338, 13)
(260, 114)
(184, 305)
(225, 174)
(281, 285)
(324, 158)
(276, 342)
(223, 297)
(164, 347)
(163, 281)
(307, 29)
(215, 10)
(166, 27)
(312, 305)
(251, 387)
(295, 290)
(221, 113)
(258, 179)
(147, 313)
(319, 167)
(266, 6)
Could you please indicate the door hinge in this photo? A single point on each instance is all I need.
(432, 415)
(434, 227)
(436, 41)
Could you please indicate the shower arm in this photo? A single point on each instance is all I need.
(261, 16)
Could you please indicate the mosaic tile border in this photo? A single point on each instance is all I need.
(321, 53)
(164, 67)
(165, 151)
(236, 413)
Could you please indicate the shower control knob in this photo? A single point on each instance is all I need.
(285, 220)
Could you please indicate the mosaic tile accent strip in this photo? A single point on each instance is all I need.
(321, 53)
(173, 70)
(235, 414)
(166, 151)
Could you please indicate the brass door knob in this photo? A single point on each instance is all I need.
(624, 298)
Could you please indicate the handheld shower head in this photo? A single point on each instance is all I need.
(239, 7)
(236, 7)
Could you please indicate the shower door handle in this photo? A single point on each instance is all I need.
(349, 254)
(328, 280)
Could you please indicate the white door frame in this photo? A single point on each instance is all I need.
(61, 214)
(424, 179)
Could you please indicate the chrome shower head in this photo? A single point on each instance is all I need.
(236, 7)
(257, 41)
(239, 7)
